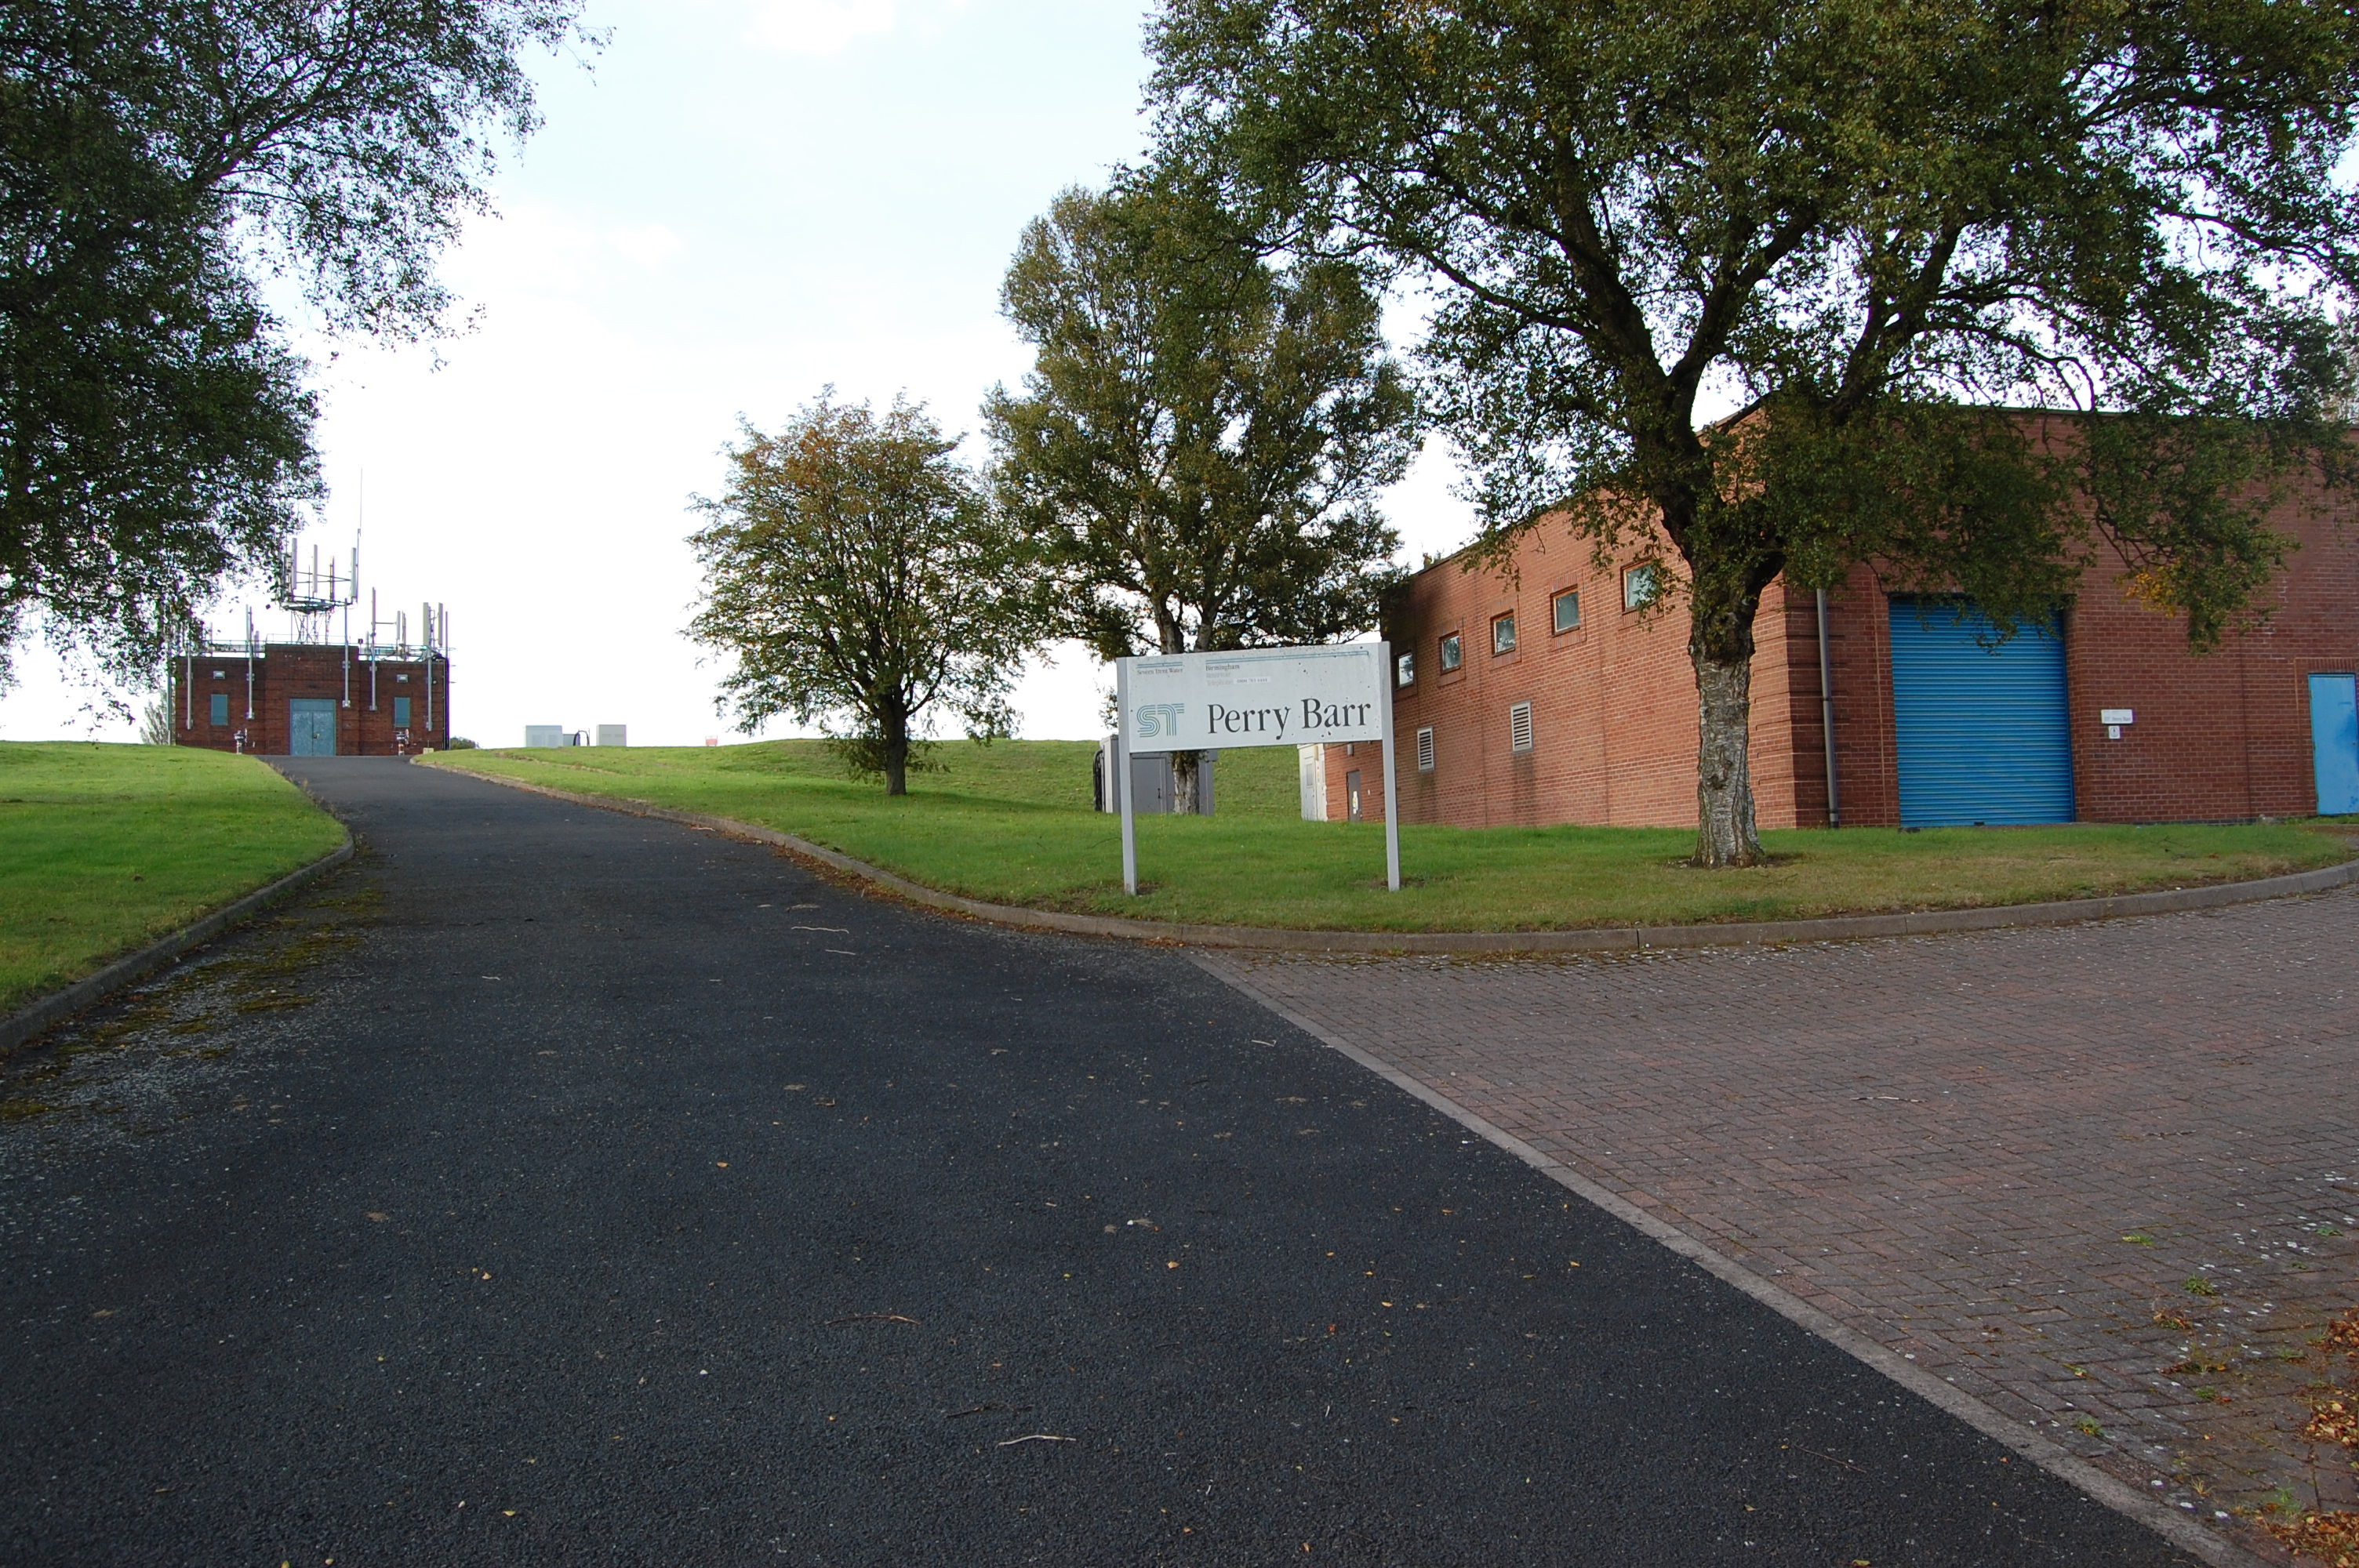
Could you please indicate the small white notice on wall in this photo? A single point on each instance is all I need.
(2117, 716)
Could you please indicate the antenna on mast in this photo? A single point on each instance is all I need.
(313, 595)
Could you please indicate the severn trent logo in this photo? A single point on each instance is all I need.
(1160, 718)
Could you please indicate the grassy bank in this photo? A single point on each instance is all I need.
(105, 848)
(1010, 823)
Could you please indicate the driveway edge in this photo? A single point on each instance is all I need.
(2174, 1526)
(47, 1013)
(1610, 939)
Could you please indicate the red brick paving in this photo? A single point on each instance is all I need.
(2007, 1155)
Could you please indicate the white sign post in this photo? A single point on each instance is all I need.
(1255, 696)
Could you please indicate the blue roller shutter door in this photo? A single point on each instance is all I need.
(1983, 730)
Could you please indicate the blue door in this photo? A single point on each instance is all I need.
(1981, 725)
(2334, 742)
(312, 727)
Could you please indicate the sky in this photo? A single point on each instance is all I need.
(739, 204)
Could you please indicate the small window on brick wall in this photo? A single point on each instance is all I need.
(1405, 670)
(1453, 652)
(1519, 727)
(1567, 606)
(1425, 750)
(1641, 585)
(1503, 634)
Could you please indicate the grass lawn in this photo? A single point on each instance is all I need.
(1011, 823)
(104, 848)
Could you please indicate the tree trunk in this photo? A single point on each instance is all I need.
(1185, 771)
(1183, 764)
(895, 749)
(1721, 647)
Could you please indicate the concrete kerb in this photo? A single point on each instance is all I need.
(1610, 939)
(2186, 1533)
(54, 1009)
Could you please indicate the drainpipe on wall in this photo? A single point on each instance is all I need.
(1827, 715)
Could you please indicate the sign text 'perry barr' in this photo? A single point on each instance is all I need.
(1262, 696)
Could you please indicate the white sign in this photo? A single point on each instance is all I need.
(2116, 716)
(1259, 697)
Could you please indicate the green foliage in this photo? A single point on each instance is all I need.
(154, 431)
(104, 847)
(857, 579)
(1873, 225)
(1202, 434)
(1011, 823)
(157, 157)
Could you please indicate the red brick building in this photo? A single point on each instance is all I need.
(312, 700)
(1545, 693)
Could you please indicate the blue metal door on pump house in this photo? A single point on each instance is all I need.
(2334, 742)
(312, 727)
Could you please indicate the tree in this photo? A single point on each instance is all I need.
(858, 580)
(1866, 228)
(158, 159)
(1203, 433)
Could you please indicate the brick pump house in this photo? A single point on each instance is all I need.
(1547, 693)
(313, 699)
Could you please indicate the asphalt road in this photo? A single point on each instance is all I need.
(560, 1187)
